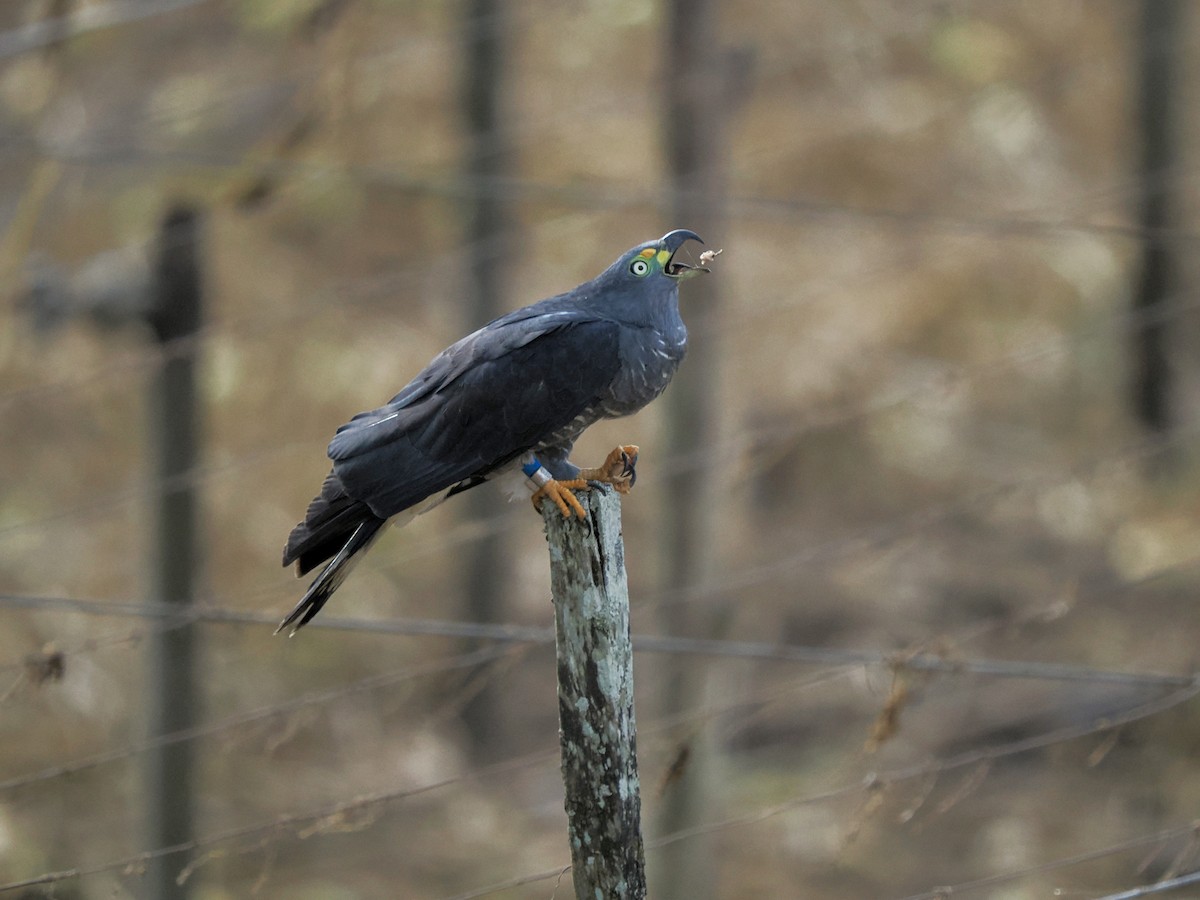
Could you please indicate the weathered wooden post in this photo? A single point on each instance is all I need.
(176, 316)
(595, 698)
(1158, 277)
(490, 150)
(162, 290)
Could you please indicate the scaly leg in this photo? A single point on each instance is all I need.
(617, 470)
(561, 492)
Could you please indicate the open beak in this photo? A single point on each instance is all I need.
(671, 242)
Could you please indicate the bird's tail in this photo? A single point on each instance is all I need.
(333, 575)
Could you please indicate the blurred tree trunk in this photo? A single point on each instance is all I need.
(488, 239)
(164, 296)
(695, 158)
(1159, 43)
(175, 316)
(58, 14)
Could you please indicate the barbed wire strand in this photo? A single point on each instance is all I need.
(456, 187)
(706, 647)
(1159, 887)
(460, 534)
(646, 730)
(1012, 224)
(277, 828)
(94, 17)
(459, 662)
(742, 579)
(509, 884)
(149, 356)
(941, 893)
(504, 767)
(775, 432)
(874, 535)
(616, 197)
(269, 617)
(41, 34)
(210, 729)
(1132, 714)
(1123, 186)
(749, 706)
(372, 682)
(376, 173)
(878, 779)
(348, 292)
(142, 10)
(643, 643)
(1136, 843)
(279, 824)
(1121, 318)
(87, 646)
(930, 662)
(46, 32)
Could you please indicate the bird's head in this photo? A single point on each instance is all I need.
(643, 279)
(656, 259)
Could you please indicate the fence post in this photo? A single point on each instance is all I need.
(1158, 111)
(487, 45)
(595, 698)
(162, 290)
(175, 316)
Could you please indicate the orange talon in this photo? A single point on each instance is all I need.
(617, 469)
(561, 493)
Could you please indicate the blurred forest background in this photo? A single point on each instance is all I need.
(927, 485)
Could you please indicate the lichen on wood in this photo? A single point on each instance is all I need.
(595, 698)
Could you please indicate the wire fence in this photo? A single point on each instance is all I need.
(1118, 687)
(334, 817)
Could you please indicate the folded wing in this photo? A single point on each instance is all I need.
(483, 402)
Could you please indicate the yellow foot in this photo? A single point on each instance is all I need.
(561, 493)
(617, 469)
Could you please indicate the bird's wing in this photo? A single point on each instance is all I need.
(484, 401)
(492, 341)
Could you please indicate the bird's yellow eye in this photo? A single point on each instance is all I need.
(639, 267)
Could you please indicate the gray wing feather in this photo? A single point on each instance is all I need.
(481, 403)
(489, 344)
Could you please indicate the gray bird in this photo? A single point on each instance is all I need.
(507, 401)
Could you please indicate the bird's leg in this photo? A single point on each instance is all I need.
(558, 490)
(562, 493)
(617, 470)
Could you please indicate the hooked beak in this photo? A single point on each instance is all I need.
(671, 242)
